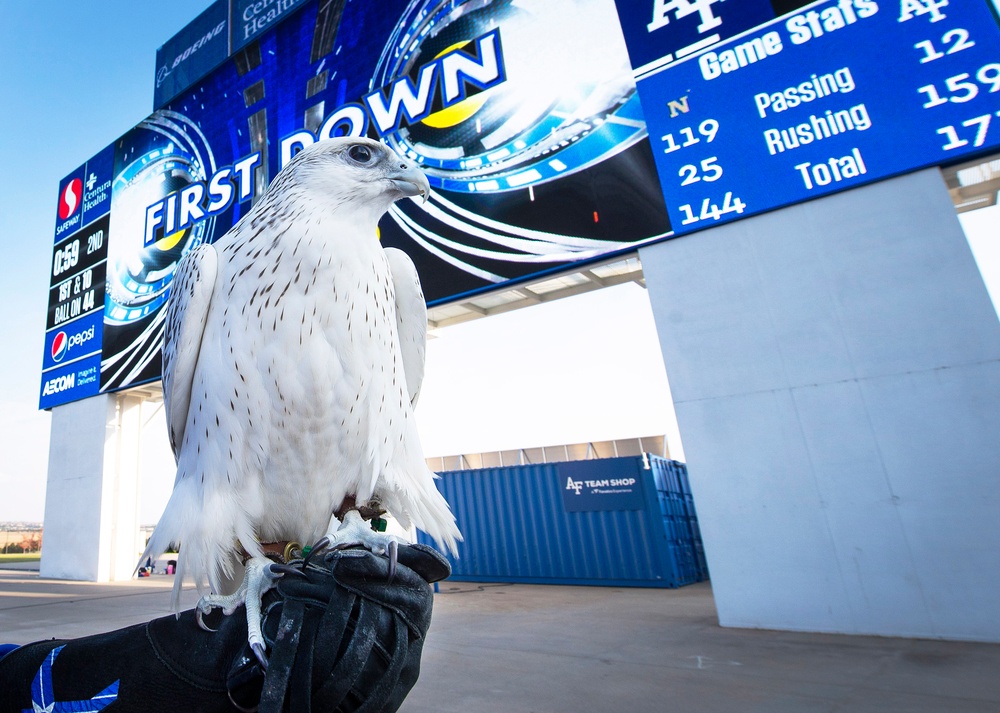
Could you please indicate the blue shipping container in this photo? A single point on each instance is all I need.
(616, 522)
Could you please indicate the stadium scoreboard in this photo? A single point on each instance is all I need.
(552, 132)
(754, 105)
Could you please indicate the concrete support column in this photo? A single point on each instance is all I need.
(835, 368)
(92, 498)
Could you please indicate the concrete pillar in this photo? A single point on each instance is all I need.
(92, 497)
(835, 368)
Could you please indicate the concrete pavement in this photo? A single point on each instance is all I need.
(546, 649)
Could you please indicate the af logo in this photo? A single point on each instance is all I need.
(908, 9)
(575, 485)
(91, 180)
(683, 8)
(43, 699)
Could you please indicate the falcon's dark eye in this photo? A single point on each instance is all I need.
(361, 154)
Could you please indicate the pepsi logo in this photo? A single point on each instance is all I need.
(60, 345)
(69, 200)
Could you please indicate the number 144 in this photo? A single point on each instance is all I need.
(711, 211)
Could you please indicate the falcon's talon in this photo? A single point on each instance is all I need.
(322, 544)
(283, 569)
(228, 603)
(393, 555)
(355, 532)
(240, 708)
(259, 578)
(198, 614)
(260, 651)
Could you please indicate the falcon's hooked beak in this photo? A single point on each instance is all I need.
(411, 182)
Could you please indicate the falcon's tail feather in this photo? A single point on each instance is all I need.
(159, 543)
(202, 556)
(417, 500)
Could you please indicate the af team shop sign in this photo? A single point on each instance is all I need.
(821, 97)
(523, 115)
(588, 486)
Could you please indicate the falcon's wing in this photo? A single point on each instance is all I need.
(187, 310)
(411, 319)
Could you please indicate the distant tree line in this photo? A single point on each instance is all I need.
(30, 542)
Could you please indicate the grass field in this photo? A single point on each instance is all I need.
(29, 557)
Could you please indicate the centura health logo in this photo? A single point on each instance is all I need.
(69, 199)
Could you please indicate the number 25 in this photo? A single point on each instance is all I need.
(709, 167)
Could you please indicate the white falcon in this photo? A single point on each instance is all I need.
(293, 355)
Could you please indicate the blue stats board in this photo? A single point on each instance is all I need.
(822, 98)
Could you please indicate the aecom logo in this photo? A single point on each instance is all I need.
(60, 383)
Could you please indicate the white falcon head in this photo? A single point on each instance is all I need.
(356, 174)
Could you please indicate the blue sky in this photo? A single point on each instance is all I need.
(74, 75)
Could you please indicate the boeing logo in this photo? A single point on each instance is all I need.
(164, 71)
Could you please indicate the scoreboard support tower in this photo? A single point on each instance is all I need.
(92, 496)
(835, 368)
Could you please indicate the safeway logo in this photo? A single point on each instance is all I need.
(69, 199)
